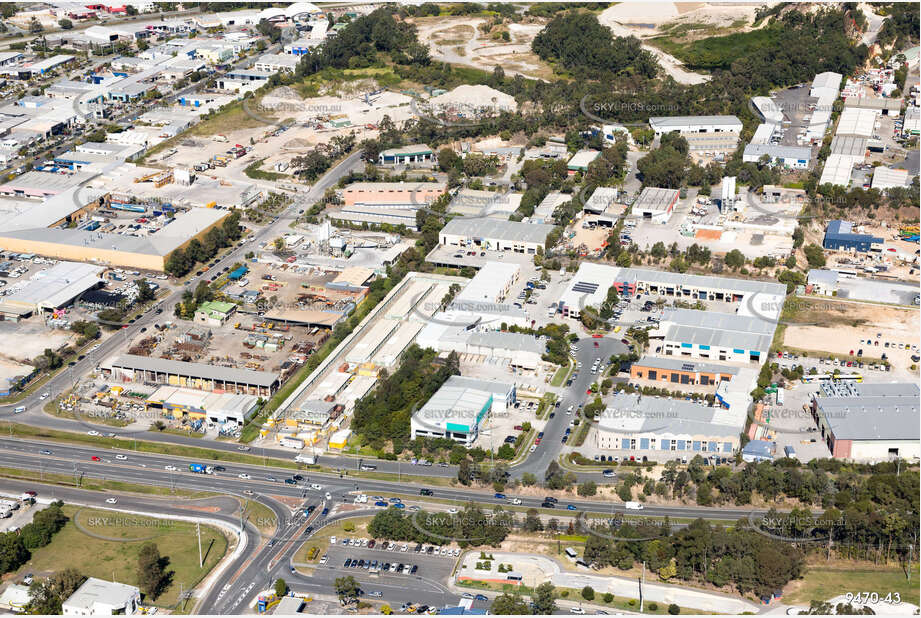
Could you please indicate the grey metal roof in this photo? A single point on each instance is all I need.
(635, 413)
(818, 275)
(677, 121)
(199, 370)
(655, 198)
(510, 341)
(740, 286)
(851, 145)
(726, 330)
(777, 151)
(512, 231)
(877, 412)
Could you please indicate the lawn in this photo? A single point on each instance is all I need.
(261, 516)
(561, 374)
(79, 545)
(825, 581)
(94, 484)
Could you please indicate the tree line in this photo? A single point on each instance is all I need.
(181, 261)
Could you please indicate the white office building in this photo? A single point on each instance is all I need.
(97, 597)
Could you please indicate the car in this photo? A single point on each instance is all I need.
(499, 496)
(380, 503)
(576, 610)
(532, 448)
(44, 396)
(92, 433)
(571, 507)
(412, 571)
(290, 482)
(608, 474)
(480, 597)
(95, 458)
(405, 547)
(112, 500)
(244, 476)
(45, 452)
(324, 512)
(248, 492)
(552, 414)
(243, 448)
(425, 492)
(399, 505)
(121, 457)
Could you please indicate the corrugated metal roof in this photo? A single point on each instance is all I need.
(198, 370)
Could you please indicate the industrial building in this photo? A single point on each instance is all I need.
(857, 121)
(837, 171)
(589, 287)
(393, 193)
(214, 312)
(97, 597)
(80, 245)
(879, 105)
(793, 157)
(688, 333)
(581, 160)
(675, 371)
(869, 422)
(826, 84)
(490, 285)
(495, 235)
(601, 200)
(841, 236)
(51, 289)
(516, 349)
(479, 203)
(911, 125)
(656, 204)
(695, 124)
(888, 178)
(852, 146)
(195, 405)
(768, 110)
(672, 427)
(456, 410)
(414, 154)
(133, 368)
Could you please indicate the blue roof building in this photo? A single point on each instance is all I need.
(839, 236)
(758, 450)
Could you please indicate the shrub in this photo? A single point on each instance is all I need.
(673, 609)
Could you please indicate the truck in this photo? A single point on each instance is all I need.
(201, 468)
(633, 506)
(306, 458)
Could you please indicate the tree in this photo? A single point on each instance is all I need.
(464, 472)
(734, 259)
(347, 589)
(814, 255)
(588, 593)
(151, 574)
(144, 292)
(13, 554)
(673, 609)
(281, 587)
(48, 595)
(65, 24)
(544, 599)
(505, 452)
(509, 604)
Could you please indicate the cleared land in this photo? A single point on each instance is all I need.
(79, 545)
(826, 581)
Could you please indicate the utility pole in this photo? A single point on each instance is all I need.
(198, 532)
(642, 581)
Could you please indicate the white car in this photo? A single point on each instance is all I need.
(332, 540)
(44, 396)
(95, 347)
(121, 457)
(364, 542)
(316, 487)
(533, 448)
(515, 501)
(452, 511)
(244, 476)
(456, 552)
(170, 468)
(111, 500)
(92, 433)
(404, 548)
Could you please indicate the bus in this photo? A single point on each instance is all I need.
(845, 377)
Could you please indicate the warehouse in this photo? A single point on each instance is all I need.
(825, 85)
(495, 235)
(391, 353)
(519, 350)
(276, 63)
(143, 253)
(837, 171)
(869, 422)
(671, 427)
(856, 121)
(887, 178)
(852, 146)
(793, 157)
(656, 204)
(912, 123)
(133, 368)
(841, 236)
(589, 287)
(581, 160)
(456, 410)
(217, 408)
(371, 341)
(678, 371)
(768, 110)
(879, 105)
(601, 199)
(695, 124)
(490, 285)
(414, 154)
(53, 288)
(715, 336)
(393, 193)
(711, 142)
(377, 215)
(479, 203)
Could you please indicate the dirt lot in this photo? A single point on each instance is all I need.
(839, 327)
(26, 340)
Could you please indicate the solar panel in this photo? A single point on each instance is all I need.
(687, 367)
(585, 286)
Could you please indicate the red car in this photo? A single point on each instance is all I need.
(519, 428)
(597, 336)
(537, 441)
(94, 458)
(596, 344)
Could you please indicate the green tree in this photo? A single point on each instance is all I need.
(544, 599)
(151, 570)
(734, 259)
(509, 604)
(281, 587)
(48, 594)
(588, 593)
(814, 255)
(13, 554)
(347, 588)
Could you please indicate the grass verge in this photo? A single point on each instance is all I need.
(825, 581)
(94, 484)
